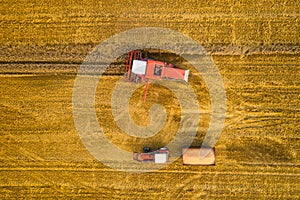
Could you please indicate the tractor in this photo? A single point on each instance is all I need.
(159, 156)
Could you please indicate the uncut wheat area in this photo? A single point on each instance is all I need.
(254, 45)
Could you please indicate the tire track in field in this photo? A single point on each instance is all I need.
(225, 172)
(21, 151)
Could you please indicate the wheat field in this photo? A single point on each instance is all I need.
(255, 46)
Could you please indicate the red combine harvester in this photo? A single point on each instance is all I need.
(159, 156)
(143, 70)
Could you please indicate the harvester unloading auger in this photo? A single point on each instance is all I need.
(139, 69)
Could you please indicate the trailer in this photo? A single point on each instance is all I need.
(198, 156)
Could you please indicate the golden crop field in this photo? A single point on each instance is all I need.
(255, 46)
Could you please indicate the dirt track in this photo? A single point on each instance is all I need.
(254, 45)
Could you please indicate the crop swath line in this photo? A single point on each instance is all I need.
(44, 169)
(61, 62)
(23, 151)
